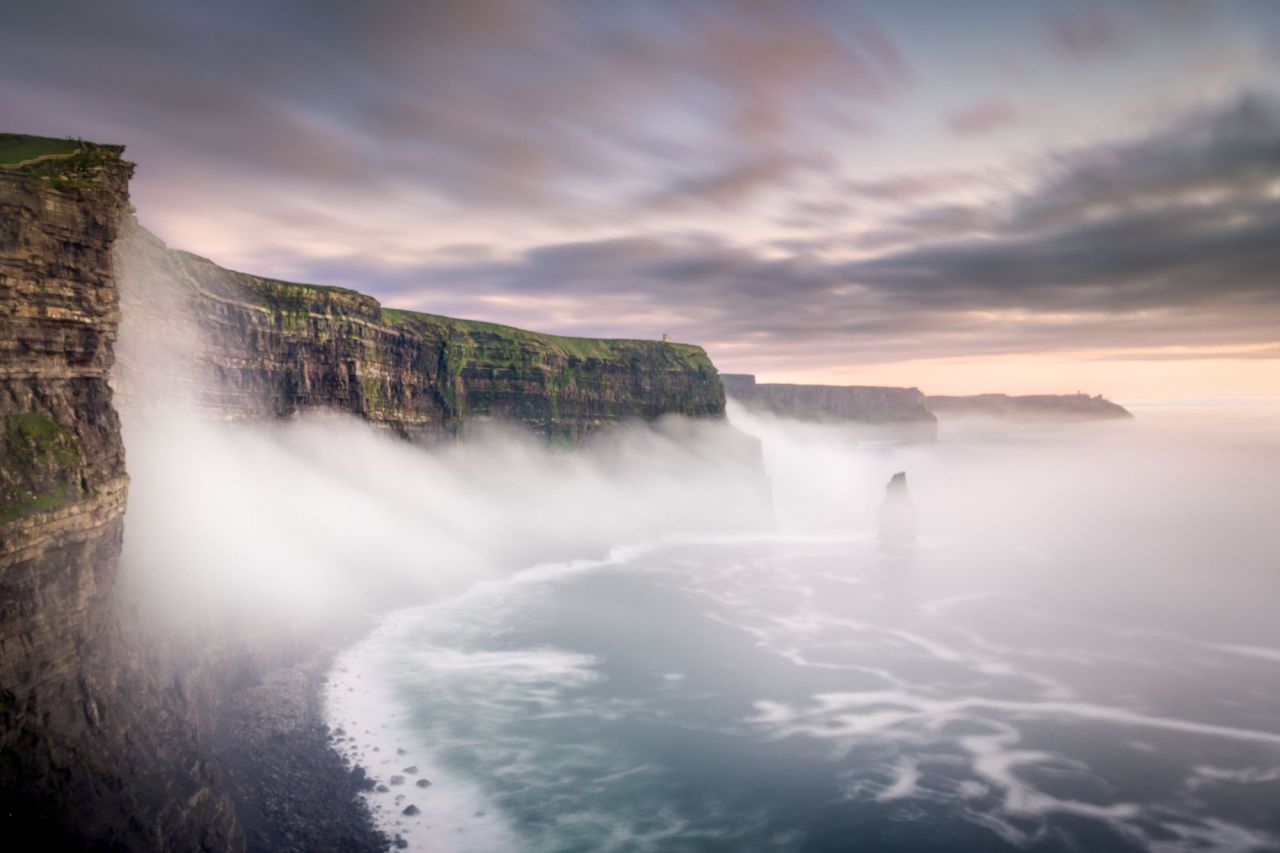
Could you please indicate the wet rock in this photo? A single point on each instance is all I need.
(360, 779)
(412, 770)
(411, 810)
(424, 783)
(397, 780)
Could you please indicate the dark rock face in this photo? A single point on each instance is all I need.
(95, 750)
(897, 411)
(292, 793)
(1036, 407)
(269, 348)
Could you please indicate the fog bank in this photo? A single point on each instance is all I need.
(321, 513)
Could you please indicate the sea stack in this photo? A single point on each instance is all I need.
(897, 515)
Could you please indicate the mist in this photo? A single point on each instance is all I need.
(320, 514)
(1076, 642)
(1077, 650)
(1160, 518)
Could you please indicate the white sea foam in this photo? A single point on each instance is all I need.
(455, 813)
(906, 782)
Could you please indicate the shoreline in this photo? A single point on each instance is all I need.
(409, 794)
(292, 789)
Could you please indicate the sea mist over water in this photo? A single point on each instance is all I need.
(1079, 652)
(321, 517)
(323, 512)
(628, 646)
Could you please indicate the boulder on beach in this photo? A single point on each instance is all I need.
(411, 810)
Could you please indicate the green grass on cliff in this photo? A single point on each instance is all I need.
(64, 163)
(41, 458)
(17, 148)
(579, 348)
(30, 437)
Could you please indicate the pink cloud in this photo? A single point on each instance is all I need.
(982, 117)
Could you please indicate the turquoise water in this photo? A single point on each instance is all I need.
(1078, 653)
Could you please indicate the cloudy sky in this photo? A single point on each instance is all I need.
(1022, 196)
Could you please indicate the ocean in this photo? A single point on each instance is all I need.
(1078, 651)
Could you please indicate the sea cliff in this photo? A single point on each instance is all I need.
(250, 348)
(95, 748)
(891, 412)
(108, 737)
(1035, 407)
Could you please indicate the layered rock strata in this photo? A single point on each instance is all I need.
(107, 730)
(95, 750)
(892, 412)
(268, 348)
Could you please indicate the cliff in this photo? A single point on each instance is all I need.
(251, 347)
(94, 750)
(1039, 407)
(895, 412)
(108, 732)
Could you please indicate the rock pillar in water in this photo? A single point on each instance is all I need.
(897, 515)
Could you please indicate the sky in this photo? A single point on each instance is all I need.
(964, 197)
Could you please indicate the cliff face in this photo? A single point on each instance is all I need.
(92, 749)
(267, 348)
(105, 733)
(893, 411)
(1038, 407)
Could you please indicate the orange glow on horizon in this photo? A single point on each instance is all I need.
(1116, 378)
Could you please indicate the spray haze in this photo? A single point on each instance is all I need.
(321, 513)
(1072, 600)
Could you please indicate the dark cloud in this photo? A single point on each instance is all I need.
(1230, 151)
(738, 183)
(911, 187)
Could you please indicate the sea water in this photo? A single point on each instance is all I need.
(1080, 651)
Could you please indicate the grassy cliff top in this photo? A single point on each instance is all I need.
(296, 300)
(17, 149)
(65, 163)
(581, 348)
